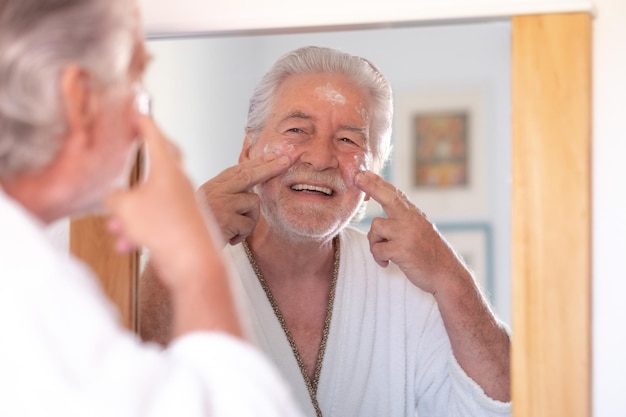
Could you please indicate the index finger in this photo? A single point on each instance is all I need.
(254, 171)
(156, 144)
(392, 200)
(155, 150)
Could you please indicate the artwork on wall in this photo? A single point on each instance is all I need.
(439, 152)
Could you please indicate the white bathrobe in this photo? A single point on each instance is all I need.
(387, 352)
(64, 353)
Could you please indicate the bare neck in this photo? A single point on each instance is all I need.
(32, 197)
(45, 194)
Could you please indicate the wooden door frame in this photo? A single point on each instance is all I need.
(551, 220)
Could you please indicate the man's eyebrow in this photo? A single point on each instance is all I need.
(296, 115)
(355, 129)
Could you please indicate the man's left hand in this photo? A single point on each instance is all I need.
(407, 238)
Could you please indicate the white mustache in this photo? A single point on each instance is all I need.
(300, 174)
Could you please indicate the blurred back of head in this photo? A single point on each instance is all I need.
(38, 39)
(314, 59)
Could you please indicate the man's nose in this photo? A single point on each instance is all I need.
(320, 153)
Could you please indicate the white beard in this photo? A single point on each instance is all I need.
(306, 223)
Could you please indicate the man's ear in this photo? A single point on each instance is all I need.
(79, 103)
(244, 155)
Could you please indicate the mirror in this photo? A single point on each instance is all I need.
(551, 204)
(201, 88)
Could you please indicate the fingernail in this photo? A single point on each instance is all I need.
(284, 160)
(359, 178)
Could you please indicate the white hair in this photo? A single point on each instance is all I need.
(312, 59)
(38, 39)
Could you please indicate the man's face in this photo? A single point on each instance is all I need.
(322, 121)
(116, 129)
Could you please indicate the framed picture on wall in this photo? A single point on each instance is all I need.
(439, 152)
(473, 243)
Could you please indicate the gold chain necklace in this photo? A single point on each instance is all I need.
(310, 385)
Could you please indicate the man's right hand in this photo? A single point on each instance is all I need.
(162, 214)
(230, 197)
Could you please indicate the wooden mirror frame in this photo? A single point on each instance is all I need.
(551, 220)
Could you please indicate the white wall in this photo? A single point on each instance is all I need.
(200, 89)
(204, 109)
(609, 209)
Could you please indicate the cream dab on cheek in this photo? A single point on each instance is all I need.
(359, 163)
(328, 93)
(279, 149)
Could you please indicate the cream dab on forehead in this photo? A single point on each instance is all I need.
(328, 93)
(363, 112)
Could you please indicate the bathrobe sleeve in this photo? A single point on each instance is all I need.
(441, 387)
(64, 353)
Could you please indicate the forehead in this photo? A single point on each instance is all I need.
(331, 89)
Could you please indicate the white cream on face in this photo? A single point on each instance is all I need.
(328, 93)
(279, 149)
(363, 112)
(363, 162)
(360, 162)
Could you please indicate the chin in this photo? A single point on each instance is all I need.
(301, 227)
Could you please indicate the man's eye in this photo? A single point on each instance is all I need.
(348, 140)
(295, 130)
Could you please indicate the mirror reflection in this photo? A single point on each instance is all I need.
(201, 87)
(319, 302)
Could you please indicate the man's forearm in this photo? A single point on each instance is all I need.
(479, 341)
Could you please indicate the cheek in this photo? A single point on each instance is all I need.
(131, 118)
(278, 147)
(119, 126)
(268, 190)
(354, 164)
(121, 117)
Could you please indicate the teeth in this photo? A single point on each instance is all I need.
(305, 187)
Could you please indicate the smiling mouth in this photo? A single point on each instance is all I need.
(312, 189)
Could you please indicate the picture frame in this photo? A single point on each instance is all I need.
(439, 153)
(473, 243)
